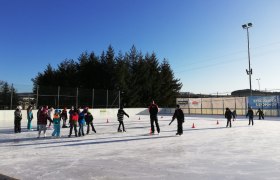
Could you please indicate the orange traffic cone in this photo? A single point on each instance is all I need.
(107, 120)
(217, 122)
(193, 125)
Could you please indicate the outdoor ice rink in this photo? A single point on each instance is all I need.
(208, 151)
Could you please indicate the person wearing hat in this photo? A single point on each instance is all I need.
(56, 123)
(179, 115)
(17, 120)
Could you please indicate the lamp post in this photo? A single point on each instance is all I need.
(250, 71)
(259, 83)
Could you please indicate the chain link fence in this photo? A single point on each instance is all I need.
(60, 97)
(217, 106)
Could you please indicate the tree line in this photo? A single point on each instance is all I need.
(8, 95)
(140, 78)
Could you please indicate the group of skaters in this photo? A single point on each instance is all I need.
(77, 117)
(250, 114)
(80, 117)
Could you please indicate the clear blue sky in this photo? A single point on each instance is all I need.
(202, 39)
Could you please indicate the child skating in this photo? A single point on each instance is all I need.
(179, 115)
(81, 123)
(120, 115)
(56, 123)
(89, 121)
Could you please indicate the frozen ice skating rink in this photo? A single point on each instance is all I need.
(208, 151)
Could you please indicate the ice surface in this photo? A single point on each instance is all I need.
(209, 151)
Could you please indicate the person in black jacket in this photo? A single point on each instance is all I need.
(228, 115)
(179, 115)
(120, 115)
(261, 115)
(153, 110)
(250, 113)
(234, 115)
(89, 121)
(64, 117)
(17, 120)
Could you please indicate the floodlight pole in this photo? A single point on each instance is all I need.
(249, 72)
(259, 83)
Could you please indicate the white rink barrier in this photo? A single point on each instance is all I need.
(7, 115)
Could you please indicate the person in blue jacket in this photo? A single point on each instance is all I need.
(56, 123)
(81, 123)
(29, 117)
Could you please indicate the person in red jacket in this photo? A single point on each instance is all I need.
(74, 117)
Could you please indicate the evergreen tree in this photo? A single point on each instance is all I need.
(140, 79)
(6, 91)
(169, 86)
(122, 77)
(154, 82)
(110, 68)
(134, 90)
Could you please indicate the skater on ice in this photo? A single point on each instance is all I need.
(43, 121)
(89, 120)
(40, 109)
(64, 117)
(74, 117)
(50, 113)
(120, 115)
(179, 115)
(29, 117)
(153, 110)
(234, 115)
(17, 119)
(56, 123)
(81, 123)
(261, 114)
(250, 114)
(228, 116)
